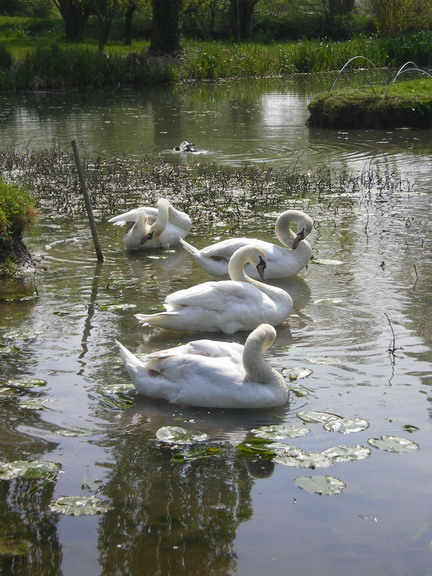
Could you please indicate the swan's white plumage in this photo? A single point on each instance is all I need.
(211, 374)
(241, 303)
(150, 227)
(282, 261)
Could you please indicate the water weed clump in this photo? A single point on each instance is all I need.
(210, 194)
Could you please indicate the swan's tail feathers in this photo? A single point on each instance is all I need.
(161, 319)
(189, 248)
(129, 359)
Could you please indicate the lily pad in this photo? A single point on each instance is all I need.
(117, 307)
(179, 435)
(346, 425)
(280, 431)
(196, 454)
(79, 505)
(394, 444)
(297, 373)
(347, 453)
(14, 546)
(35, 469)
(313, 416)
(323, 485)
(305, 460)
(258, 447)
(25, 383)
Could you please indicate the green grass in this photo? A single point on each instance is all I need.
(35, 55)
(401, 104)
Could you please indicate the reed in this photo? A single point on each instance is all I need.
(60, 65)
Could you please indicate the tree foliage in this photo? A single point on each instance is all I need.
(398, 16)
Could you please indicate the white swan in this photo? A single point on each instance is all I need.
(282, 261)
(226, 305)
(211, 374)
(149, 227)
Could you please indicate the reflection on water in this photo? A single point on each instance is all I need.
(230, 123)
(369, 283)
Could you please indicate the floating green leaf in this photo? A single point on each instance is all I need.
(257, 447)
(22, 335)
(410, 428)
(117, 402)
(313, 416)
(346, 453)
(323, 485)
(179, 435)
(304, 460)
(326, 262)
(196, 454)
(25, 383)
(35, 469)
(14, 546)
(117, 307)
(297, 373)
(346, 425)
(328, 301)
(79, 505)
(394, 444)
(280, 431)
(35, 403)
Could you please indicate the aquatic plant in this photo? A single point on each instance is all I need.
(210, 194)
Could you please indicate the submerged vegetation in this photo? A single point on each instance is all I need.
(54, 64)
(210, 194)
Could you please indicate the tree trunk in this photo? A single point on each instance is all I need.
(165, 37)
(130, 11)
(75, 16)
(242, 12)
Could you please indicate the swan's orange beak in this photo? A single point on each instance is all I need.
(300, 236)
(261, 266)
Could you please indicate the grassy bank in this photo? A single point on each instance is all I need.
(17, 216)
(47, 64)
(398, 105)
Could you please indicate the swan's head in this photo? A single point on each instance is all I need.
(305, 225)
(155, 232)
(258, 258)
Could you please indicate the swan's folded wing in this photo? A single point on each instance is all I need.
(132, 215)
(214, 295)
(225, 248)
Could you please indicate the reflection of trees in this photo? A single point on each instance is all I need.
(170, 518)
(24, 503)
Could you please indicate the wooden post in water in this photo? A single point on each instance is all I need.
(87, 202)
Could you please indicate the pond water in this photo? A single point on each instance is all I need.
(359, 337)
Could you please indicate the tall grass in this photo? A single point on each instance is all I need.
(60, 65)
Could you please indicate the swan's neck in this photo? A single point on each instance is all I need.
(162, 216)
(140, 227)
(283, 224)
(254, 364)
(236, 270)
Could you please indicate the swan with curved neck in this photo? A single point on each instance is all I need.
(241, 303)
(282, 261)
(211, 374)
(149, 227)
